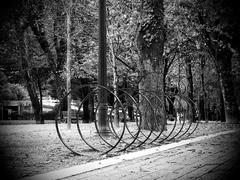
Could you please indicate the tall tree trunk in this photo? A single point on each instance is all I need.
(38, 29)
(25, 58)
(68, 64)
(202, 102)
(86, 112)
(34, 98)
(41, 99)
(115, 91)
(222, 108)
(190, 88)
(164, 87)
(87, 104)
(150, 41)
(52, 47)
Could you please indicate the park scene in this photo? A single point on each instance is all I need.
(119, 89)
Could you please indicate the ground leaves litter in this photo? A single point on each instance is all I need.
(27, 150)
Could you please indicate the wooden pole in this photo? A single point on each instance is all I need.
(102, 70)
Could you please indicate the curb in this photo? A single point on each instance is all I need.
(83, 168)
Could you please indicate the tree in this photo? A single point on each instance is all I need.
(9, 91)
(68, 10)
(24, 49)
(150, 42)
(84, 51)
(27, 20)
(189, 78)
(219, 26)
(122, 17)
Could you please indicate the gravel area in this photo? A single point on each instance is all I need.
(30, 149)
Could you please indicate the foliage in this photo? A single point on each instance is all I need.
(50, 115)
(123, 22)
(9, 91)
(193, 31)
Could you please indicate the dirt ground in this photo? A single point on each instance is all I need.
(30, 149)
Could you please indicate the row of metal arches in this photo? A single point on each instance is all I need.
(129, 125)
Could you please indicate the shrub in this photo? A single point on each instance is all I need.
(19, 91)
(13, 92)
(50, 115)
(26, 115)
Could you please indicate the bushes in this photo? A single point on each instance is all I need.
(26, 115)
(50, 115)
(9, 91)
(19, 90)
(13, 92)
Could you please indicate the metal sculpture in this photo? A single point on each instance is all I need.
(130, 134)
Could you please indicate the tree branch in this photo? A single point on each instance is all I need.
(127, 65)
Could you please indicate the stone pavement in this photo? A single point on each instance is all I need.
(215, 157)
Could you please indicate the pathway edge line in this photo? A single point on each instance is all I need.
(83, 168)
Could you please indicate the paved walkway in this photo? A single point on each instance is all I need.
(209, 157)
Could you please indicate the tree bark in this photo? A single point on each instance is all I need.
(190, 88)
(25, 58)
(164, 90)
(222, 108)
(41, 99)
(150, 41)
(38, 29)
(115, 91)
(87, 105)
(68, 64)
(202, 102)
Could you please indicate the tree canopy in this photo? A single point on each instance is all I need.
(193, 45)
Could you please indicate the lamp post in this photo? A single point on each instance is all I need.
(102, 71)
